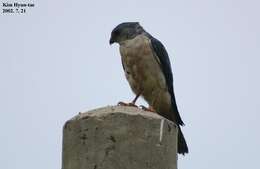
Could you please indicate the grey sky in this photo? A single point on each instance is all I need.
(56, 61)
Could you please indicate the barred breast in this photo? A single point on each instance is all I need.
(143, 72)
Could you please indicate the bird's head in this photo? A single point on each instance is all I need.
(125, 31)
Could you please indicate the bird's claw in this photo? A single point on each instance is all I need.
(150, 109)
(126, 104)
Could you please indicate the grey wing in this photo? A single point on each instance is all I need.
(163, 59)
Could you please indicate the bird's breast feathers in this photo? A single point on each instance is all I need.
(141, 67)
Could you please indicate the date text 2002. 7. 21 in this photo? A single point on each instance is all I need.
(14, 10)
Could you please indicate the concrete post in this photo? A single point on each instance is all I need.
(119, 137)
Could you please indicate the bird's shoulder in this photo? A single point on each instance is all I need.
(162, 56)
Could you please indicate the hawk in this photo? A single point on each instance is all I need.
(148, 70)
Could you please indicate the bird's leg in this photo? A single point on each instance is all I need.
(150, 108)
(136, 97)
(131, 103)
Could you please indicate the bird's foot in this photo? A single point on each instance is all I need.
(150, 109)
(127, 104)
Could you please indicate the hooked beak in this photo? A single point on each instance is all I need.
(111, 41)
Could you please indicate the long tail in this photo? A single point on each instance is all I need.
(182, 145)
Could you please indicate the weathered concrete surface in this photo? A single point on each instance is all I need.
(117, 137)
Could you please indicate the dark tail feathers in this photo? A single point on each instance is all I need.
(182, 145)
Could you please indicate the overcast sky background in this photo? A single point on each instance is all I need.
(55, 61)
